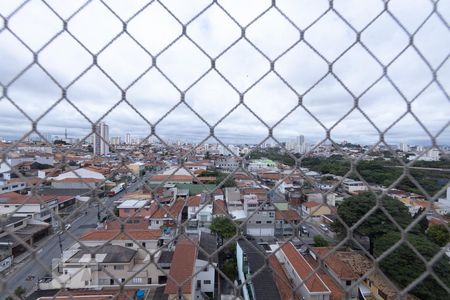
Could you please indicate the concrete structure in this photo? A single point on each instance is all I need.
(352, 186)
(44, 159)
(261, 164)
(7, 187)
(261, 218)
(41, 208)
(299, 272)
(122, 258)
(249, 260)
(101, 139)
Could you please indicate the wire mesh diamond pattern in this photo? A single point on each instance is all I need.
(278, 63)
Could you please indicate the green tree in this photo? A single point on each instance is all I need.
(403, 266)
(223, 227)
(20, 292)
(354, 208)
(319, 241)
(423, 223)
(438, 234)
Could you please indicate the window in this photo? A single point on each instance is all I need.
(137, 280)
(206, 281)
(122, 280)
(258, 222)
(269, 222)
(143, 244)
(128, 244)
(111, 281)
(86, 282)
(348, 282)
(119, 267)
(149, 280)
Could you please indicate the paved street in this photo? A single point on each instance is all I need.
(50, 247)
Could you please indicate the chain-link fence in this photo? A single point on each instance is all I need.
(245, 232)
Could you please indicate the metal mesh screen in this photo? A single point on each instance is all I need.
(113, 46)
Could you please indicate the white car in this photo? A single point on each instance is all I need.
(324, 227)
(67, 227)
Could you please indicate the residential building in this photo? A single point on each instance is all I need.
(181, 270)
(353, 187)
(101, 139)
(284, 221)
(315, 209)
(119, 257)
(297, 268)
(250, 258)
(260, 217)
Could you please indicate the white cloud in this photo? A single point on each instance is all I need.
(242, 65)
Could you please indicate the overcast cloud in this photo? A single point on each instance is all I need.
(303, 70)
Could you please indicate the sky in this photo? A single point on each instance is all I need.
(241, 97)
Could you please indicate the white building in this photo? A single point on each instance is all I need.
(101, 139)
(352, 186)
(44, 159)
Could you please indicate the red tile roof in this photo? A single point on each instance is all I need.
(167, 211)
(171, 178)
(281, 280)
(14, 198)
(219, 207)
(288, 215)
(303, 269)
(342, 269)
(311, 204)
(105, 235)
(81, 180)
(194, 200)
(182, 268)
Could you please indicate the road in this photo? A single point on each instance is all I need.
(49, 248)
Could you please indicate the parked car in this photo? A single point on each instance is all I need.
(68, 226)
(324, 227)
(305, 229)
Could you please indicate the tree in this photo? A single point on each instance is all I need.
(403, 266)
(423, 223)
(438, 234)
(223, 227)
(319, 241)
(20, 292)
(352, 209)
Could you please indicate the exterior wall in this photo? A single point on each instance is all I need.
(12, 187)
(73, 185)
(240, 269)
(209, 274)
(261, 223)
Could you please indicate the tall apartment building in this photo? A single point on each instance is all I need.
(128, 139)
(101, 138)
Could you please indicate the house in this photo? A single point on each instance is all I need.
(200, 213)
(251, 259)
(41, 208)
(353, 187)
(206, 260)
(167, 217)
(284, 221)
(300, 272)
(28, 230)
(180, 284)
(260, 218)
(7, 187)
(136, 208)
(315, 209)
(171, 179)
(120, 258)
